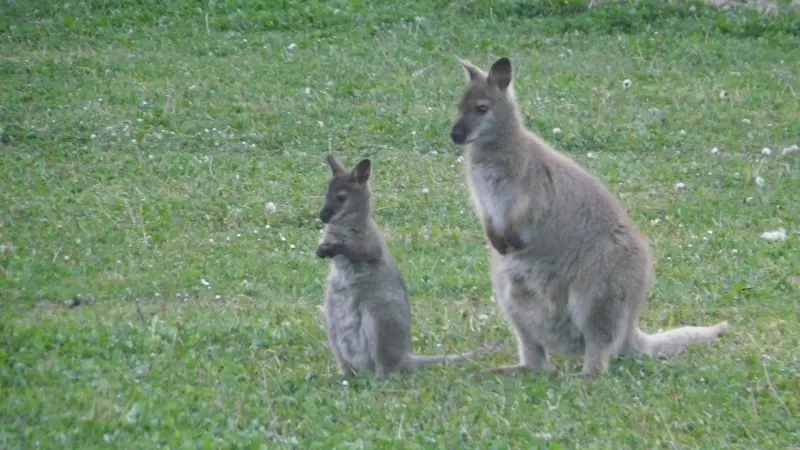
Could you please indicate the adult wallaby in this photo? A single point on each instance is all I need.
(367, 313)
(570, 271)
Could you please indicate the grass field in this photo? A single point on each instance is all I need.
(162, 170)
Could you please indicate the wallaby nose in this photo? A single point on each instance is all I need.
(458, 134)
(326, 215)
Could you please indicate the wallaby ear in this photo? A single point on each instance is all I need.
(361, 172)
(471, 70)
(336, 168)
(500, 73)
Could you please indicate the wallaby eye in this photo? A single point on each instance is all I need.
(341, 196)
(482, 109)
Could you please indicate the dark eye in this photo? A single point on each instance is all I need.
(341, 196)
(482, 109)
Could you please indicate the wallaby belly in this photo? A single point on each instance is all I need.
(534, 299)
(345, 321)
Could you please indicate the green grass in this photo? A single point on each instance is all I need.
(141, 142)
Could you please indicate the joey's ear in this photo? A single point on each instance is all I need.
(471, 70)
(361, 172)
(336, 168)
(500, 73)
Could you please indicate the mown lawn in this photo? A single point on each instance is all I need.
(162, 170)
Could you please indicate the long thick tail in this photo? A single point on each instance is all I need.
(416, 362)
(672, 342)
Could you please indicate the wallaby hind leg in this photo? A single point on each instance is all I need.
(603, 322)
(532, 356)
(388, 345)
(344, 368)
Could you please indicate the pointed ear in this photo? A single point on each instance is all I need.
(500, 73)
(336, 168)
(471, 70)
(362, 170)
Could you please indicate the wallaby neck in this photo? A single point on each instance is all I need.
(510, 147)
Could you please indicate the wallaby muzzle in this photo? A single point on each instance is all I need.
(459, 133)
(326, 214)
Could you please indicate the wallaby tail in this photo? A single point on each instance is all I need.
(672, 342)
(421, 361)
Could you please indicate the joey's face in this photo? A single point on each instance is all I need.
(342, 198)
(347, 194)
(484, 104)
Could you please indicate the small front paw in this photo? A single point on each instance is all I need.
(499, 244)
(326, 251)
(514, 241)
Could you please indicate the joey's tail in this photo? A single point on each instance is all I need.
(420, 361)
(672, 342)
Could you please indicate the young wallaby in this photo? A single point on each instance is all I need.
(367, 313)
(570, 271)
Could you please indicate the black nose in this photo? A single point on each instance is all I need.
(458, 134)
(325, 215)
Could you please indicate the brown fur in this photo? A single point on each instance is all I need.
(367, 313)
(570, 271)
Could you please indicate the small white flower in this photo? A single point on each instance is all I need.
(433, 153)
(723, 94)
(683, 132)
(308, 90)
(591, 155)
(204, 282)
(151, 157)
(760, 182)
(627, 83)
(425, 191)
(746, 121)
(777, 235)
(320, 124)
(292, 246)
(270, 207)
(217, 297)
(94, 136)
(766, 151)
(715, 151)
(345, 383)
(556, 130)
(460, 159)
(680, 186)
(292, 46)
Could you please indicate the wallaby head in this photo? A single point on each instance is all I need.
(487, 106)
(348, 193)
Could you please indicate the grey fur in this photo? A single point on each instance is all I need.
(570, 271)
(367, 313)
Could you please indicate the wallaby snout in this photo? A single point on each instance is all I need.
(326, 214)
(459, 133)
